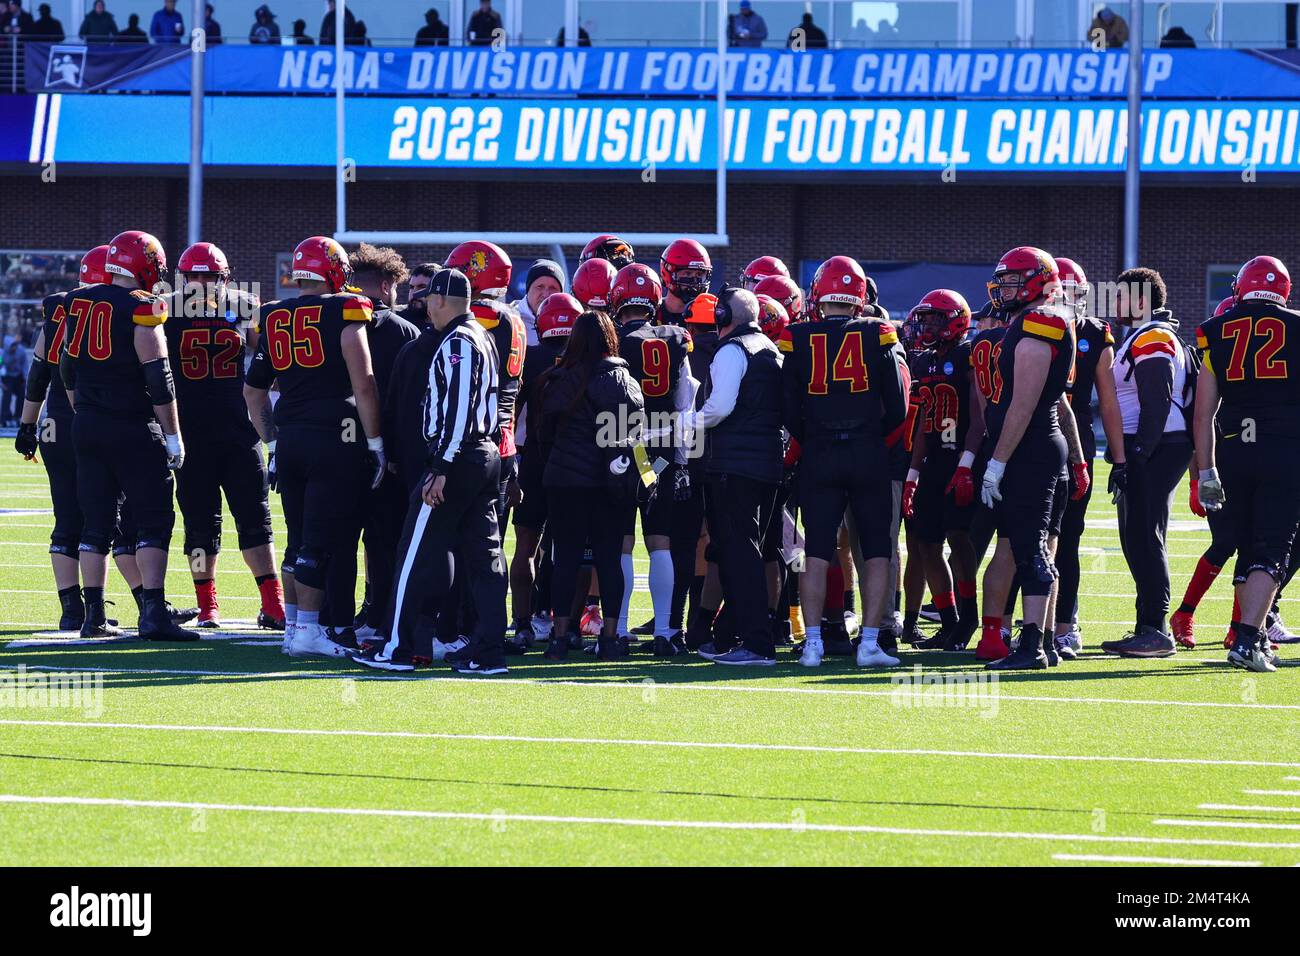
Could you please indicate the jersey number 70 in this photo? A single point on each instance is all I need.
(849, 365)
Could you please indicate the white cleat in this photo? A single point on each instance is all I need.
(870, 655)
(812, 653)
(441, 650)
(542, 625)
(1259, 659)
(1278, 634)
(287, 642)
(365, 633)
(851, 624)
(310, 640)
(1075, 637)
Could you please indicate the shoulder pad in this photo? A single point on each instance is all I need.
(1202, 342)
(1153, 342)
(888, 334)
(1046, 323)
(357, 308)
(786, 341)
(147, 308)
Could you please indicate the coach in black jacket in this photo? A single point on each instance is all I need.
(587, 402)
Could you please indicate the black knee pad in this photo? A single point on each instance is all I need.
(64, 543)
(93, 543)
(121, 546)
(254, 534)
(309, 567)
(1036, 575)
(711, 552)
(156, 532)
(202, 541)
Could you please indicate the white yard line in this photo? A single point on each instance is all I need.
(1247, 809)
(1158, 860)
(780, 826)
(1273, 793)
(617, 742)
(1228, 824)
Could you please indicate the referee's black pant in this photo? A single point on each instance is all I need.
(464, 528)
(1144, 520)
(743, 508)
(385, 515)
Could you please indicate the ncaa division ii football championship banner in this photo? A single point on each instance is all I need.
(669, 72)
(628, 134)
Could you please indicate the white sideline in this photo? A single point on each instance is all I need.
(1273, 793)
(617, 742)
(790, 826)
(1160, 860)
(650, 683)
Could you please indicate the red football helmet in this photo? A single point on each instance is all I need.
(592, 281)
(635, 285)
(138, 256)
(612, 249)
(760, 269)
(785, 291)
(1074, 284)
(1025, 274)
(556, 315)
(773, 319)
(1224, 306)
(1264, 277)
(485, 264)
(204, 257)
(685, 256)
(940, 316)
(321, 259)
(92, 266)
(839, 279)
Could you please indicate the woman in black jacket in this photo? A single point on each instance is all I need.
(587, 401)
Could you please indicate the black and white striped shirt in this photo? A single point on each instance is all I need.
(460, 406)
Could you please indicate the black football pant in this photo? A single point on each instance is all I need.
(684, 540)
(743, 509)
(1144, 520)
(578, 518)
(121, 457)
(321, 480)
(1261, 486)
(217, 463)
(458, 537)
(60, 461)
(385, 515)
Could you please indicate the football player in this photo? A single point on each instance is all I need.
(617, 252)
(208, 330)
(784, 290)
(591, 283)
(656, 357)
(846, 388)
(53, 436)
(686, 271)
(126, 431)
(1246, 386)
(941, 384)
(764, 267)
(1029, 453)
(324, 436)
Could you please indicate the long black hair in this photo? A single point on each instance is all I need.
(593, 338)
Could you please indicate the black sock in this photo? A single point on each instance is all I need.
(198, 581)
(909, 620)
(263, 578)
(898, 601)
(1031, 637)
(850, 601)
(150, 594)
(1247, 636)
(138, 593)
(70, 592)
(948, 617)
(1186, 608)
(94, 596)
(968, 611)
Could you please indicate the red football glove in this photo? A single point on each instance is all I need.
(909, 493)
(1082, 480)
(961, 486)
(1194, 502)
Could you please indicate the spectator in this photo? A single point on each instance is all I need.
(300, 37)
(18, 22)
(13, 375)
(98, 25)
(265, 29)
(483, 24)
(1177, 38)
(1112, 26)
(327, 25)
(211, 28)
(46, 28)
(583, 38)
(807, 35)
(133, 33)
(167, 26)
(359, 36)
(746, 28)
(434, 32)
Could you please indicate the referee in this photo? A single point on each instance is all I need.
(454, 510)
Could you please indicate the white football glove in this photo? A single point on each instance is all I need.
(991, 489)
(378, 460)
(1210, 490)
(175, 451)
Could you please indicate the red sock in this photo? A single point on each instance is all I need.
(1236, 608)
(944, 601)
(966, 590)
(1202, 578)
(272, 598)
(206, 593)
(992, 628)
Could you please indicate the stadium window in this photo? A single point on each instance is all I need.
(1218, 285)
(1254, 24)
(1196, 20)
(995, 24)
(637, 23)
(1055, 24)
(909, 23)
(542, 21)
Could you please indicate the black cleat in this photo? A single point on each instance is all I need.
(74, 609)
(611, 649)
(96, 624)
(481, 667)
(1028, 656)
(522, 640)
(888, 641)
(181, 615)
(160, 627)
(344, 637)
(646, 629)
(556, 651)
(269, 623)
(576, 641)
(1050, 652)
(912, 635)
(671, 646)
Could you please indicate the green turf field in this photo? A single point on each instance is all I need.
(226, 752)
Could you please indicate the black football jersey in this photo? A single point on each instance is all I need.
(1093, 336)
(656, 357)
(985, 347)
(509, 336)
(53, 313)
(301, 349)
(843, 373)
(941, 394)
(1253, 350)
(206, 341)
(99, 337)
(1046, 323)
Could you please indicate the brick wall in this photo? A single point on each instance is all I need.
(1184, 229)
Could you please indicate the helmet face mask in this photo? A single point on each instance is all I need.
(686, 269)
(1024, 274)
(617, 252)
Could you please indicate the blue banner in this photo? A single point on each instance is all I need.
(669, 72)
(890, 135)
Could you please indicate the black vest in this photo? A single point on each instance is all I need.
(748, 441)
